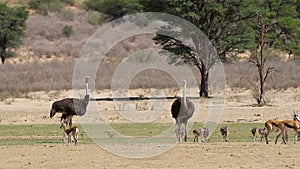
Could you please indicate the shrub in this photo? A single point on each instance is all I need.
(45, 6)
(44, 35)
(66, 14)
(114, 9)
(67, 31)
(94, 18)
(70, 2)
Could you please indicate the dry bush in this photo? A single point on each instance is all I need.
(44, 34)
(19, 79)
(95, 18)
(245, 75)
(66, 14)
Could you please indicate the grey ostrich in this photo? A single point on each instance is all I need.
(70, 107)
(182, 110)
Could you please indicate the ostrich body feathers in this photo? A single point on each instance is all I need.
(70, 106)
(181, 112)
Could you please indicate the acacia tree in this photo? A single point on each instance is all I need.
(12, 27)
(275, 26)
(218, 20)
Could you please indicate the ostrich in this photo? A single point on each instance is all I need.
(71, 106)
(182, 110)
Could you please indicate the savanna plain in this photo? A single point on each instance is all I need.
(42, 73)
(30, 139)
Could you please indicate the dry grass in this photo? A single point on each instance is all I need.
(19, 79)
(44, 39)
(44, 35)
(245, 75)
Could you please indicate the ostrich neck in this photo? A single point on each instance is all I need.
(86, 89)
(184, 95)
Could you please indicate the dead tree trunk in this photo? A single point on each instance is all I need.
(259, 60)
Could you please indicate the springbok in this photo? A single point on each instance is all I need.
(289, 124)
(273, 124)
(224, 132)
(258, 131)
(203, 133)
(73, 131)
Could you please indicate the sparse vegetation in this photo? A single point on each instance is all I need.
(114, 9)
(95, 18)
(57, 75)
(70, 2)
(45, 38)
(45, 7)
(50, 133)
(44, 35)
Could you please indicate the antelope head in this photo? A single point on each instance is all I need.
(295, 116)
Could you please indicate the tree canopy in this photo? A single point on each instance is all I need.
(232, 26)
(219, 21)
(275, 26)
(12, 27)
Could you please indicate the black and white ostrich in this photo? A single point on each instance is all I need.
(70, 107)
(182, 110)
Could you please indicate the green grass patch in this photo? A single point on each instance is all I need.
(50, 133)
(140, 129)
(34, 134)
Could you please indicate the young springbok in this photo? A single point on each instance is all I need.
(258, 131)
(224, 132)
(203, 133)
(71, 132)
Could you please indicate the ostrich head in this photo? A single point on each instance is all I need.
(52, 113)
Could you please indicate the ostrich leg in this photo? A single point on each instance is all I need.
(178, 123)
(185, 133)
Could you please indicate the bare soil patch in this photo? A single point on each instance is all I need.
(185, 155)
(238, 106)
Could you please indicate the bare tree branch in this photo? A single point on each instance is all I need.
(269, 70)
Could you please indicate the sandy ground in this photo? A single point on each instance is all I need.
(238, 108)
(185, 155)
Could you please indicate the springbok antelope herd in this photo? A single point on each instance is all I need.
(283, 126)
